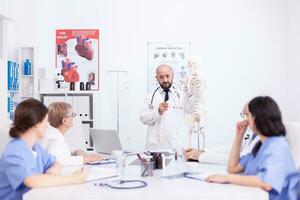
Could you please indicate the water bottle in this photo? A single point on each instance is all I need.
(27, 67)
(88, 86)
(81, 85)
(72, 86)
(120, 161)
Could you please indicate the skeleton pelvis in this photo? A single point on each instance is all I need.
(191, 120)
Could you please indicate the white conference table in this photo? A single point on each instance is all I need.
(158, 187)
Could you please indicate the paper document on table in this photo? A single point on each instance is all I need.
(218, 155)
(102, 162)
(99, 173)
(197, 176)
(192, 175)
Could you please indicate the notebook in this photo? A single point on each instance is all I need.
(197, 176)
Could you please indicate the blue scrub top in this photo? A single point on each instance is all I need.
(17, 163)
(274, 165)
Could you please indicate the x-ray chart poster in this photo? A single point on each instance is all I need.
(173, 54)
(77, 55)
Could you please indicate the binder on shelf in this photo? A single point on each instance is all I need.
(84, 107)
(8, 104)
(12, 76)
(12, 87)
(75, 106)
(86, 130)
(47, 100)
(69, 100)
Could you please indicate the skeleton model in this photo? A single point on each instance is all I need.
(195, 91)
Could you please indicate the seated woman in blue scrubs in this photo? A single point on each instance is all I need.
(270, 165)
(24, 163)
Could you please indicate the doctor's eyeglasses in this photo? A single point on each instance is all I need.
(71, 115)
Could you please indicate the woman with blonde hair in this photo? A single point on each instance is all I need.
(61, 118)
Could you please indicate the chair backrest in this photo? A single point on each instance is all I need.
(293, 138)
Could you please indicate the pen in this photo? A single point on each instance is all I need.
(141, 159)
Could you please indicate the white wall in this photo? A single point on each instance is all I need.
(242, 44)
(17, 29)
(19, 24)
(293, 61)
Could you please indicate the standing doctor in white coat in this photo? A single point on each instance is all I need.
(164, 112)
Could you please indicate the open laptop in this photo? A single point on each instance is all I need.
(105, 141)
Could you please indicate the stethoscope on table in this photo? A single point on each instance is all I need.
(150, 106)
(123, 184)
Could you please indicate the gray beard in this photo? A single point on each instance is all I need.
(163, 87)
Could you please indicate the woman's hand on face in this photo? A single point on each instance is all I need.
(216, 178)
(241, 127)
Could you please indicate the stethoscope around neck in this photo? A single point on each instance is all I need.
(150, 106)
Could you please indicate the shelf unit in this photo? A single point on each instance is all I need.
(26, 81)
(18, 86)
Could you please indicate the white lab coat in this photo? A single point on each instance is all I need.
(249, 141)
(220, 155)
(55, 143)
(168, 130)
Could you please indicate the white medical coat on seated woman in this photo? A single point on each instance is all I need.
(56, 144)
(169, 130)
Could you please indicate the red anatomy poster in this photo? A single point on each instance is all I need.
(77, 55)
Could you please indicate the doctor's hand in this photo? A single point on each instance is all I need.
(241, 128)
(163, 107)
(191, 153)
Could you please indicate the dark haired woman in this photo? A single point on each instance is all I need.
(24, 163)
(270, 165)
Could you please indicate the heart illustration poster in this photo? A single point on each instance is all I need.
(77, 55)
